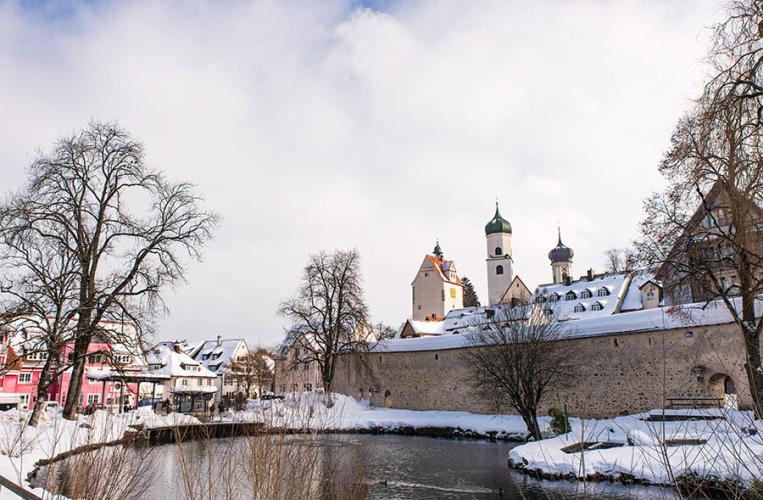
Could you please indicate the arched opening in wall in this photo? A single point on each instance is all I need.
(722, 386)
(499, 270)
(498, 251)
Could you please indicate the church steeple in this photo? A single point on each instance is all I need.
(561, 260)
(500, 270)
(437, 250)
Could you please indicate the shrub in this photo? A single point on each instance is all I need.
(560, 424)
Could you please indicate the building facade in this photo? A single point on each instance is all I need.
(436, 289)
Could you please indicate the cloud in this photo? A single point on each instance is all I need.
(314, 125)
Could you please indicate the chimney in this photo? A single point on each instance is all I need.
(589, 274)
(567, 280)
(219, 341)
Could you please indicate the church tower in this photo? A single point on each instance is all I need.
(499, 263)
(561, 261)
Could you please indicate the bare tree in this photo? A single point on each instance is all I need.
(125, 227)
(515, 357)
(251, 372)
(329, 312)
(703, 232)
(381, 331)
(618, 260)
(38, 285)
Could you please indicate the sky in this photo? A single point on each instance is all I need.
(378, 125)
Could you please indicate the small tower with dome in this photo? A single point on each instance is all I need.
(561, 260)
(500, 267)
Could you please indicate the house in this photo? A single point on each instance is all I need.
(228, 359)
(190, 387)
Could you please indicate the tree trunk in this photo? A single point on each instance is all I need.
(42, 392)
(754, 371)
(531, 421)
(74, 392)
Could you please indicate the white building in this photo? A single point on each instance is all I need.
(190, 387)
(218, 356)
(436, 289)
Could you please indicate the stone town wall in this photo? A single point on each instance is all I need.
(613, 375)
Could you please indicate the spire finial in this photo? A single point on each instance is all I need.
(559, 231)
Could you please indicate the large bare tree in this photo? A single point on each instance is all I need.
(329, 312)
(515, 357)
(703, 231)
(126, 227)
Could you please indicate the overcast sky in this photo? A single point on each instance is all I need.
(334, 124)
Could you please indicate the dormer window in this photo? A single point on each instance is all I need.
(585, 294)
(570, 296)
(597, 306)
(650, 295)
(579, 308)
(498, 251)
(541, 300)
(553, 298)
(603, 292)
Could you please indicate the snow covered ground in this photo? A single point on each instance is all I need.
(307, 411)
(730, 447)
(21, 446)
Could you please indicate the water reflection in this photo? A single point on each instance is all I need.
(355, 465)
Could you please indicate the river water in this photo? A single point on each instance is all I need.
(407, 467)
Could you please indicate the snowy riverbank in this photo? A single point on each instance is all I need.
(21, 446)
(657, 447)
(308, 412)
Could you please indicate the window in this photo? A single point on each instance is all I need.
(24, 399)
(579, 308)
(123, 359)
(549, 312)
(650, 295)
(553, 298)
(25, 378)
(308, 387)
(209, 381)
(603, 292)
(92, 398)
(38, 356)
(94, 359)
(452, 293)
(597, 306)
(442, 295)
(498, 251)
(541, 300)
(201, 382)
(499, 270)
(585, 294)
(570, 296)
(307, 366)
(183, 382)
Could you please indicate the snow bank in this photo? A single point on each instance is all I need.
(308, 411)
(730, 447)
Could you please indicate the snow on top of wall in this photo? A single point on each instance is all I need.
(687, 316)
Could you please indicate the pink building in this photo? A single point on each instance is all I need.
(23, 373)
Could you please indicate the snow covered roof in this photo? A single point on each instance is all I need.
(166, 360)
(216, 357)
(607, 290)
